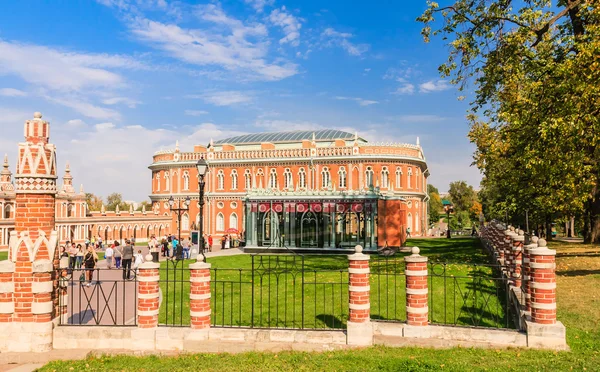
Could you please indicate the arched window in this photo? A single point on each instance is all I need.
(325, 178)
(342, 177)
(157, 181)
(288, 182)
(260, 175)
(409, 222)
(167, 183)
(408, 178)
(234, 179)
(273, 178)
(417, 178)
(7, 211)
(302, 178)
(247, 179)
(385, 177)
(233, 221)
(186, 180)
(220, 180)
(369, 177)
(398, 177)
(185, 222)
(220, 222)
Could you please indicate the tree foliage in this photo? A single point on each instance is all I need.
(535, 118)
(462, 195)
(435, 204)
(94, 202)
(115, 199)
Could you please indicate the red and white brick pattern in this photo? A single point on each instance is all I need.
(359, 288)
(417, 310)
(200, 295)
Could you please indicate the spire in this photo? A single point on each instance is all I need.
(68, 181)
(314, 138)
(177, 146)
(418, 142)
(6, 177)
(81, 191)
(103, 209)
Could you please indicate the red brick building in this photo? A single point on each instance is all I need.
(324, 189)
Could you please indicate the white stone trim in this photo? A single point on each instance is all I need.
(148, 296)
(359, 257)
(417, 291)
(204, 296)
(417, 310)
(357, 288)
(535, 265)
(359, 271)
(41, 307)
(7, 307)
(202, 279)
(200, 266)
(199, 314)
(415, 272)
(542, 251)
(535, 305)
(149, 265)
(542, 285)
(7, 266)
(7, 287)
(366, 306)
(42, 287)
(147, 279)
(147, 312)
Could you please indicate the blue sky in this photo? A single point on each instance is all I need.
(121, 79)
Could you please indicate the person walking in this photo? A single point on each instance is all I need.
(153, 247)
(79, 257)
(138, 259)
(72, 255)
(210, 242)
(117, 254)
(108, 255)
(89, 261)
(408, 232)
(127, 258)
(223, 239)
(227, 241)
(99, 242)
(186, 248)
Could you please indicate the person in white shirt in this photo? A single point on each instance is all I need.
(109, 257)
(138, 259)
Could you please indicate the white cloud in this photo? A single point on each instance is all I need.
(85, 108)
(340, 39)
(104, 126)
(434, 86)
(195, 112)
(406, 88)
(76, 123)
(419, 119)
(230, 45)
(360, 101)
(224, 98)
(259, 5)
(131, 103)
(11, 92)
(291, 26)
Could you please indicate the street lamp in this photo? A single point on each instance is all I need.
(202, 167)
(180, 211)
(449, 209)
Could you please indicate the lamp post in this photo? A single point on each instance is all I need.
(449, 209)
(180, 211)
(202, 167)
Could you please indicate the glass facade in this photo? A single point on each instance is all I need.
(311, 224)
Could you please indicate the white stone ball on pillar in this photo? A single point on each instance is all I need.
(358, 249)
(415, 251)
(148, 257)
(541, 243)
(37, 115)
(534, 239)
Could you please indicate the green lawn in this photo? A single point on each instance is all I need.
(578, 296)
(274, 297)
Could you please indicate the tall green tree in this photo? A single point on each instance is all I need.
(462, 195)
(535, 118)
(115, 199)
(94, 202)
(435, 203)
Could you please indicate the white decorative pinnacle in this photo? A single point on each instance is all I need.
(415, 251)
(37, 115)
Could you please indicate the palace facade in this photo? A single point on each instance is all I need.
(325, 189)
(73, 220)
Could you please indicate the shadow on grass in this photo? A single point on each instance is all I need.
(578, 272)
(331, 321)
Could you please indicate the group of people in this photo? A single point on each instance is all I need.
(167, 247)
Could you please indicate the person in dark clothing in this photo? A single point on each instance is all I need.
(89, 261)
(126, 260)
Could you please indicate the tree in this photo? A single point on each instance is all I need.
(475, 211)
(146, 204)
(115, 199)
(94, 202)
(434, 204)
(462, 195)
(535, 119)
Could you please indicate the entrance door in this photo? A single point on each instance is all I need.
(309, 230)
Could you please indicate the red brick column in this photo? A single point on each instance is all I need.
(7, 289)
(148, 278)
(417, 310)
(200, 311)
(543, 284)
(527, 273)
(359, 289)
(517, 258)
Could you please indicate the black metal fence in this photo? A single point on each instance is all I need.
(97, 297)
(469, 295)
(388, 288)
(279, 292)
(174, 310)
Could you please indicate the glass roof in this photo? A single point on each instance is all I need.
(293, 136)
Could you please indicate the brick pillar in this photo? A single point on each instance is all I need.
(507, 248)
(148, 278)
(543, 284)
(544, 331)
(200, 295)
(527, 274)
(517, 258)
(417, 310)
(7, 289)
(360, 329)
